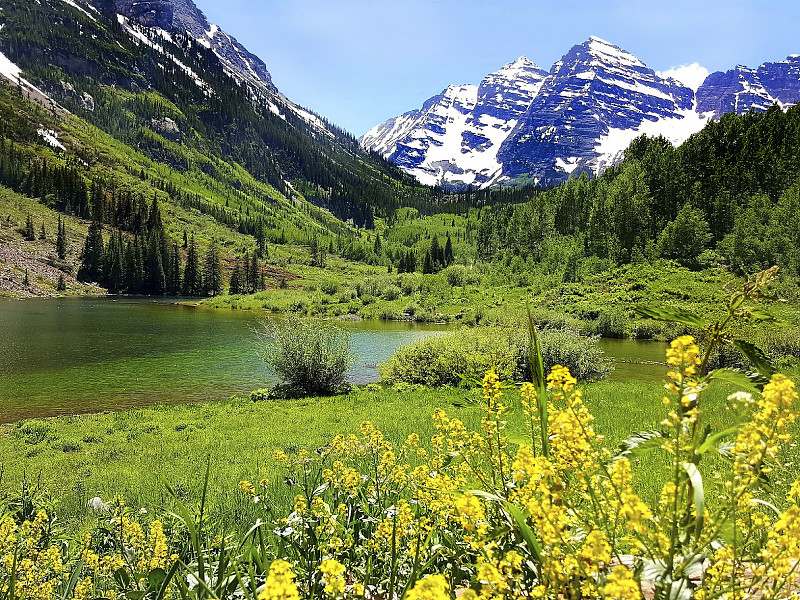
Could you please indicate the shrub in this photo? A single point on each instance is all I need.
(568, 348)
(441, 360)
(311, 356)
(470, 352)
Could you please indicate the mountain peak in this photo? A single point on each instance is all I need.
(185, 16)
(522, 63)
(608, 52)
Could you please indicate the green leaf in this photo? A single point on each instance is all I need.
(757, 357)
(73, 579)
(486, 495)
(526, 531)
(672, 314)
(759, 314)
(699, 498)
(738, 378)
(156, 577)
(521, 439)
(640, 443)
(711, 440)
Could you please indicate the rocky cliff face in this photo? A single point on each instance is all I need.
(524, 123)
(184, 16)
(742, 89)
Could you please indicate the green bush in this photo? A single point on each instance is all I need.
(568, 348)
(311, 356)
(441, 360)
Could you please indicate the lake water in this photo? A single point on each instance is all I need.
(65, 356)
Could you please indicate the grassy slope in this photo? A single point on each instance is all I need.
(133, 453)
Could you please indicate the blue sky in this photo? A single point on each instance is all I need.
(360, 62)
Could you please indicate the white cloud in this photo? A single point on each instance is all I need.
(690, 75)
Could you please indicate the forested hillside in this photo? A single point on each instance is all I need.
(728, 195)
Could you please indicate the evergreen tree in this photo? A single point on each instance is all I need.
(235, 285)
(62, 285)
(191, 274)
(174, 284)
(378, 247)
(436, 256)
(26, 282)
(253, 273)
(61, 239)
(91, 268)
(155, 277)
(448, 252)
(42, 233)
(30, 234)
(212, 272)
(427, 265)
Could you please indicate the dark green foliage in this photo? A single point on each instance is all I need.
(30, 234)
(91, 269)
(235, 285)
(62, 285)
(192, 278)
(212, 272)
(61, 239)
(311, 356)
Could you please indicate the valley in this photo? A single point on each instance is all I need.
(538, 338)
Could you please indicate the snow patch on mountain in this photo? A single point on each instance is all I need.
(82, 9)
(11, 71)
(139, 35)
(611, 146)
(51, 137)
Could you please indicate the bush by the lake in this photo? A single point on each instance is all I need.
(442, 360)
(311, 356)
(569, 348)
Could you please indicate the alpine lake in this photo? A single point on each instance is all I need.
(79, 355)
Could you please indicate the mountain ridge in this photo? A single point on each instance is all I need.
(589, 106)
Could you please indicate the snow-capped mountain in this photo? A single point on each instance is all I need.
(455, 137)
(741, 89)
(523, 122)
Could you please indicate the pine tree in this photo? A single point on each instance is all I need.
(427, 265)
(191, 273)
(62, 285)
(61, 239)
(235, 285)
(91, 268)
(30, 234)
(174, 285)
(448, 252)
(42, 233)
(26, 282)
(436, 255)
(155, 278)
(253, 273)
(378, 246)
(212, 272)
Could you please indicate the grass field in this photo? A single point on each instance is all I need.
(135, 453)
